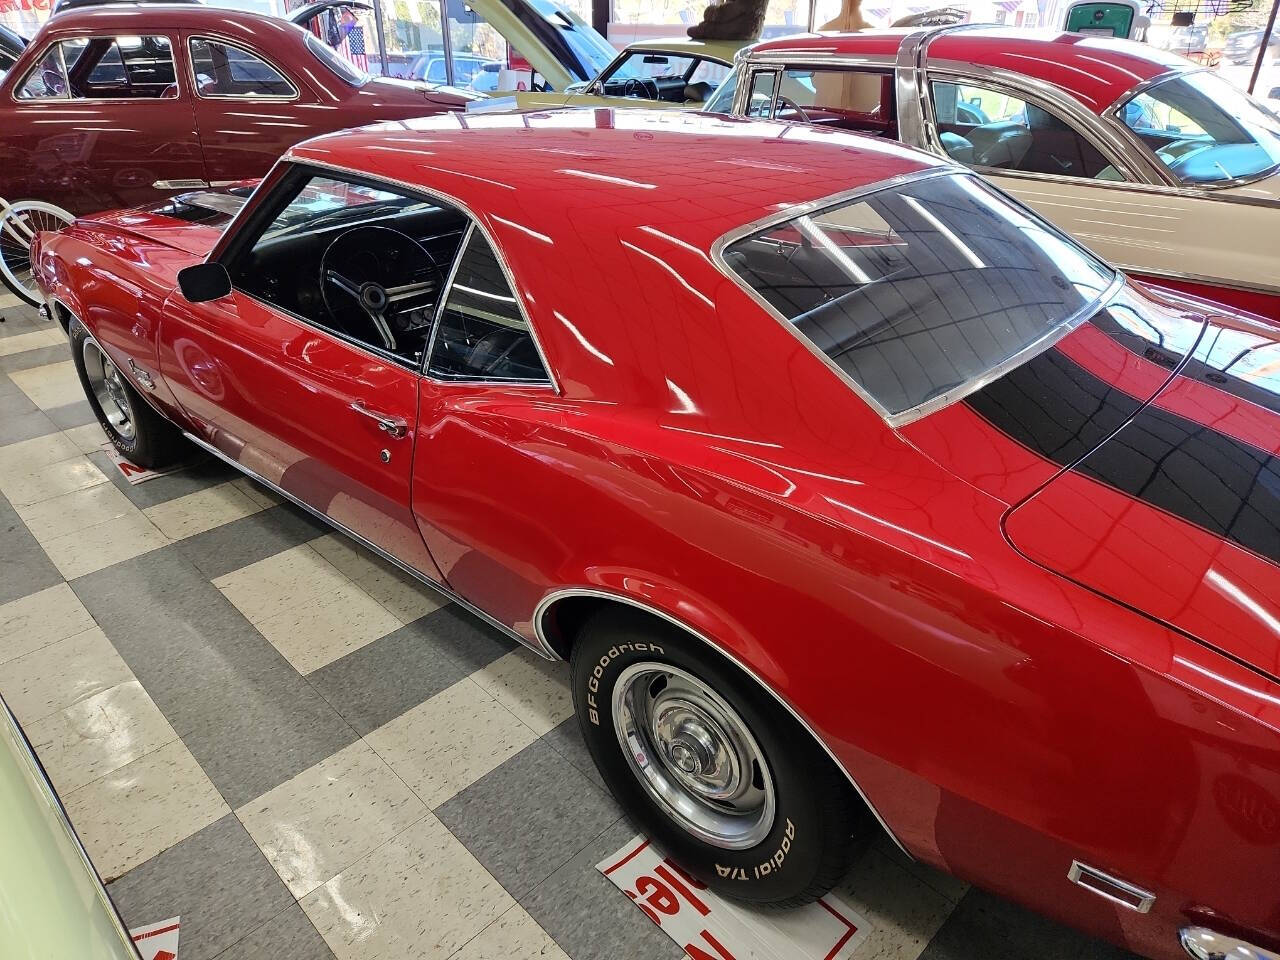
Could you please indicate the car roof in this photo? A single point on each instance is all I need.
(1098, 71)
(133, 18)
(716, 49)
(701, 174)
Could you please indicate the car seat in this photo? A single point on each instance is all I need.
(1001, 144)
(958, 148)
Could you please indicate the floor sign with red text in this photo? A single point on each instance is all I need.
(158, 941)
(709, 927)
(134, 473)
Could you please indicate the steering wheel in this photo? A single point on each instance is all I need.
(636, 87)
(1179, 151)
(792, 106)
(379, 277)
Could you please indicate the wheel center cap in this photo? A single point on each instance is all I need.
(686, 758)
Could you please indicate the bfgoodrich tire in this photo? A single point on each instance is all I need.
(140, 434)
(720, 775)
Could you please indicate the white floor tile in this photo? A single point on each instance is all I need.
(534, 689)
(420, 895)
(30, 341)
(317, 824)
(53, 385)
(144, 808)
(513, 936)
(88, 438)
(316, 632)
(201, 511)
(17, 459)
(285, 581)
(56, 676)
(51, 480)
(257, 492)
(402, 594)
(99, 735)
(75, 511)
(39, 619)
(449, 742)
(93, 548)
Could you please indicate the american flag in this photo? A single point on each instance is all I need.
(352, 47)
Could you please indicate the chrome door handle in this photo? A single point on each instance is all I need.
(393, 426)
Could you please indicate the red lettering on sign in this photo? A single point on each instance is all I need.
(658, 895)
(128, 468)
(697, 953)
(671, 878)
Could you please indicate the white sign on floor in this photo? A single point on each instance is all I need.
(159, 941)
(708, 927)
(134, 473)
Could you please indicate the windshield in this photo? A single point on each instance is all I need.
(342, 67)
(1204, 130)
(593, 51)
(919, 292)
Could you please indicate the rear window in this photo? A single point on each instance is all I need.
(920, 291)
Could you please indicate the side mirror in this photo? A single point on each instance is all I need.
(204, 282)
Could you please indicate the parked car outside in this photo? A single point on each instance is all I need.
(1158, 165)
(1242, 46)
(431, 67)
(667, 73)
(859, 497)
(111, 106)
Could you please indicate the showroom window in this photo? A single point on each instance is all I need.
(918, 291)
(482, 334)
(840, 99)
(225, 70)
(103, 68)
(358, 260)
(986, 127)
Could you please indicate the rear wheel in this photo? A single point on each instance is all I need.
(721, 776)
(137, 431)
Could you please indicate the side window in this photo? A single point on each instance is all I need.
(722, 100)
(481, 334)
(984, 127)
(704, 79)
(103, 68)
(364, 262)
(843, 99)
(224, 70)
(760, 103)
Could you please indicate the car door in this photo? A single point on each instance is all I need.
(312, 384)
(1044, 158)
(248, 108)
(96, 122)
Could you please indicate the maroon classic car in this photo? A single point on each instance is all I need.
(113, 106)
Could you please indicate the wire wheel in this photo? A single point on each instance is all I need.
(19, 224)
(108, 390)
(694, 755)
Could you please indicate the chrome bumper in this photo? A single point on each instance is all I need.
(1203, 944)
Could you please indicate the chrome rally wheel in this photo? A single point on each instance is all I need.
(714, 769)
(694, 755)
(109, 390)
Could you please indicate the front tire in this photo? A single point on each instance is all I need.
(140, 434)
(722, 777)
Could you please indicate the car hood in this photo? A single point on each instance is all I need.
(1140, 458)
(190, 222)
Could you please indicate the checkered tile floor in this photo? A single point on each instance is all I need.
(259, 726)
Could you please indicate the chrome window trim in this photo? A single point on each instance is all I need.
(18, 84)
(1111, 117)
(544, 652)
(1119, 152)
(551, 383)
(743, 92)
(898, 420)
(444, 295)
(550, 598)
(216, 38)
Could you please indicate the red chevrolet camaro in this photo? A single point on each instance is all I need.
(860, 498)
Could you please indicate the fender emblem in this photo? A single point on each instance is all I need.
(141, 375)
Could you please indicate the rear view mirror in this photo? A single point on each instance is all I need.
(656, 58)
(204, 282)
